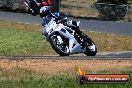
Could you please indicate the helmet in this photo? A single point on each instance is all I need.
(45, 3)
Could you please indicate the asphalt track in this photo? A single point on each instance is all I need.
(88, 25)
(72, 57)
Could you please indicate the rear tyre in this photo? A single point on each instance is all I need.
(61, 48)
(90, 51)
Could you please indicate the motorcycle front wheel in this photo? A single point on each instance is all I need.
(59, 45)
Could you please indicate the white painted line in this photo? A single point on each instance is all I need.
(20, 22)
(116, 53)
(27, 23)
(37, 24)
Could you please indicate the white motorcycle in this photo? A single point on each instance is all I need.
(59, 33)
(64, 40)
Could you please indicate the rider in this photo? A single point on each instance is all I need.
(39, 7)
(44, 9)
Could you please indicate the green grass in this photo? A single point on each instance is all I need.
(28, 79)
(24, 39)
(14, 41)
(111, 42)
(79, 11)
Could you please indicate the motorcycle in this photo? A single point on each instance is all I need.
(63, 39)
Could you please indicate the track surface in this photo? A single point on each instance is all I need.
(66, 58)
(88, 25)
(100, 56)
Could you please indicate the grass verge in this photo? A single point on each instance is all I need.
(87, 11)
(25, 39)
(20, 39)
(20, 74)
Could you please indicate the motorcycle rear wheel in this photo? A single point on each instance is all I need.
(90, 53)
(89, 43)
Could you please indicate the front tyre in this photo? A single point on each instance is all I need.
(59, 45)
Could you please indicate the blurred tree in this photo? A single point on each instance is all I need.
(19, 5)
(9, 3)
(112, 9)
(56, 5)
